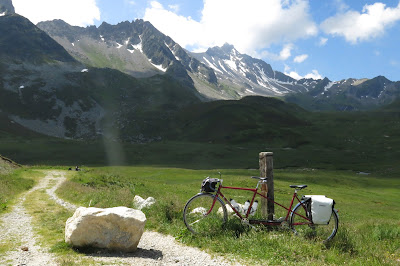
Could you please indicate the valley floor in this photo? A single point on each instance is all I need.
(22, 244)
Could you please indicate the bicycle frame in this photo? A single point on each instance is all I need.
(255, 193)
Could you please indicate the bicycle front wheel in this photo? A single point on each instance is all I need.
(307, 229)
(204, 214)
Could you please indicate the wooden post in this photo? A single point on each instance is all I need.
(267, 170)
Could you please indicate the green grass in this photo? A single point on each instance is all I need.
(368, 209)
(12, 185)
(97, 59)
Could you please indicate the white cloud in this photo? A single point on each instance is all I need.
(322, 41)
(294, 75)
(184, 31)
(249, 26)
(313, 75)
(340, 5)
(283, 55)
(286, 52)
(174, 8)
(74, 12)
(300, 58)
(356, 27)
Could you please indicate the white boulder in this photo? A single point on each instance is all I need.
(141, 203)
(118, 228)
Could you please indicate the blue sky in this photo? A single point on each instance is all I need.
(337, 39)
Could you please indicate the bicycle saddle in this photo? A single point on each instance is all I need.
(258, 177)
(298, 186)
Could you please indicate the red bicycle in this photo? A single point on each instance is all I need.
(207, 212)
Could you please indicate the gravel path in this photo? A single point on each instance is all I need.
(153, 248)
(16, 227)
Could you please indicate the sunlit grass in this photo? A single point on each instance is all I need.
(368, 211)
(12, 185)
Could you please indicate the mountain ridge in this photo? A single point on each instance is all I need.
(44, 89)
(6, 7)
(250, 75)
(140, 50)
(135, 48)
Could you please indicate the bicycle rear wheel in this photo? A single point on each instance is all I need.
(202, 217)
(307, 229)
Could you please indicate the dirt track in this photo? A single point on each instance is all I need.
(153, 248)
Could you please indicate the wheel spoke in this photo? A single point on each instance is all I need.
(312, 231)
(203, 214)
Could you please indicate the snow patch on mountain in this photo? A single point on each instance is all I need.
(330, 84)
(231, 64)
(138, 46)
(212, 65)
(159, 67)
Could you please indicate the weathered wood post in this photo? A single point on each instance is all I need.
(267, 170)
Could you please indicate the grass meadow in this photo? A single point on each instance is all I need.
(327, 151)
(369, 211)
(12, 183)
(369, 227)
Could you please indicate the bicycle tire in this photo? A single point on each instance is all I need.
(313, 231)
(196, 218)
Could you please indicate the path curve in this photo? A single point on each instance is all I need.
(16, 226)
(153, 249)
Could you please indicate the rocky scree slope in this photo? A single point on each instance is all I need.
(43, 88)
(33, 80)
(136, 48)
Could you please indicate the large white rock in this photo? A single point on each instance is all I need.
(118, 228)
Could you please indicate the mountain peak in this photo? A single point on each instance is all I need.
(223, 52)
(6, 7)
(227, 47)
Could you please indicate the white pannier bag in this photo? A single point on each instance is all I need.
(321, 209)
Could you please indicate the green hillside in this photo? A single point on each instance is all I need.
(221, 134)
(249, 120)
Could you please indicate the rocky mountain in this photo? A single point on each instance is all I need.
(33, 70)
(131, 82)
(23, 42)
(45, 89)
(247, 75)
(6, 7)
(135, 48)
(140, 50)
(346, 95)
